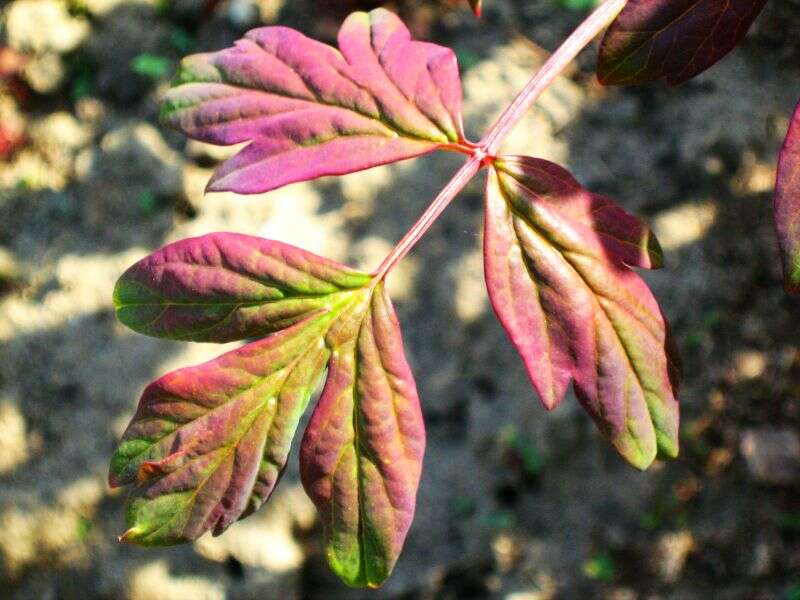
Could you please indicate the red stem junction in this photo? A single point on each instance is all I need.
(484, 152)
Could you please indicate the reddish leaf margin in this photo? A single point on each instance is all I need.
(787, 205)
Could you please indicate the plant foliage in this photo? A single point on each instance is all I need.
(208, 443)
(672, 40)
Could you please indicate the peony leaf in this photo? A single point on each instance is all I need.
(226, 286)
(556, 265)
(672, 40)
(308, 110)
(361, 455)
(787, 205)
(208, 444)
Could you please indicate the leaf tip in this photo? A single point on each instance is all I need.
(640, 461)
(130, 536)
(113, 481)
(668, 448)
(604, 78)
(654, 251)
(214, 185)
(550, 400)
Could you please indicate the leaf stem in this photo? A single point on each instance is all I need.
(455, 185)
(483, 153)
(558, 61)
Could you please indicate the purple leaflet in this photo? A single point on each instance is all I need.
(556, 265)
(208, 444)
(309, 110)
(227, 286)
(361, 455)
(787, 205)
(619, 232)
(672, 39)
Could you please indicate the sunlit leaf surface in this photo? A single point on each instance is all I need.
(361, 456)
(227, 286)
(557, 263)
(208, 443)
(309, 110)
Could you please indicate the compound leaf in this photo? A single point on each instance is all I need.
(787, 205)
(361, 456)
(308, 110)
(226, 286)
(672, 39)
(556, 266)
(208, 444)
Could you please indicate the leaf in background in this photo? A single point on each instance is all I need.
(226, 286)
(672, 39)
(309, 110)
(556, 265)
(787, 205)
(361, 456)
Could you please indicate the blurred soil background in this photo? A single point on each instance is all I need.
(514, 504)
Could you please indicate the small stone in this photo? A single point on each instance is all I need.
(91, 110)
(13, 438)
(672, 550)
(29, 169)
(17, 541)
(762, 559)
(155, 582)
(544, 588)
(684, 224)
(100, 8)
(41, 26)
(507, 552)
(59, 129)
(9, 269)
(58, 137)
(622, 593)
(243, 13)
(270, 10)
(13, 119)
(750, 364)
(44, 73)
(772, 455)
